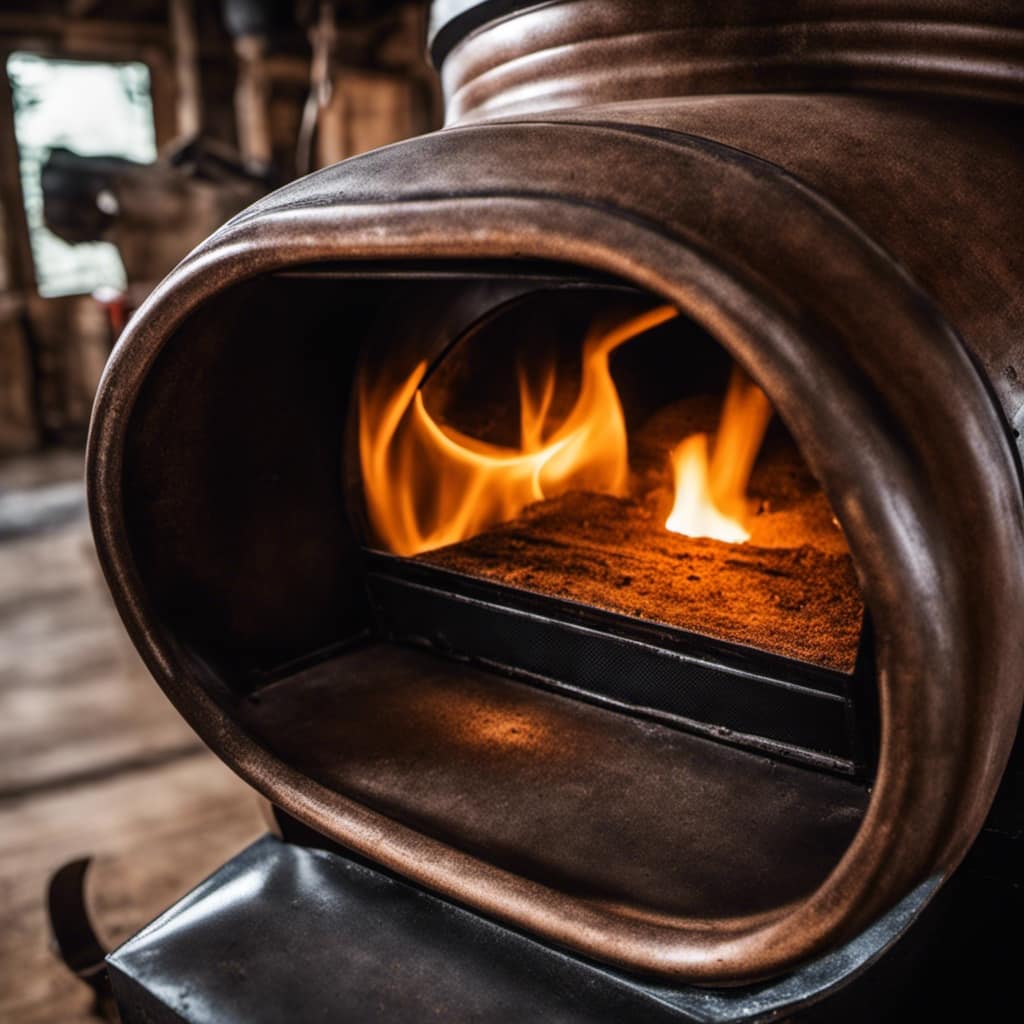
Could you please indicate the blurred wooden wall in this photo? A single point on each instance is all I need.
(248, 93)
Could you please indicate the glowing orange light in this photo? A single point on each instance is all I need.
(710, 493)
(428, 485)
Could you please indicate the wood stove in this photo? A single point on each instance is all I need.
(394, 478)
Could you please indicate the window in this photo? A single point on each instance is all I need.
(93, 109)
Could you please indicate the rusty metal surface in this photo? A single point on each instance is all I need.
(844, 301)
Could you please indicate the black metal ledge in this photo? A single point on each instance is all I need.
(751, 698)
(283, 932)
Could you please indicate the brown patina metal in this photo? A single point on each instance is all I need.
(853, 236)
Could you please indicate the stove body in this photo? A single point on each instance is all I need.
(831, 194)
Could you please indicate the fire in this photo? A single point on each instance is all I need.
(428, 485)
(710, 493)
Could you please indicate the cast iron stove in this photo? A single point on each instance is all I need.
(596, 528)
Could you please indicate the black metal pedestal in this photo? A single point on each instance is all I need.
(287, 933)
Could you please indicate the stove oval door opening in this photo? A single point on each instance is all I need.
(396, 524)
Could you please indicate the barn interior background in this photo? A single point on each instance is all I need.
(533, 780)
(129, 129)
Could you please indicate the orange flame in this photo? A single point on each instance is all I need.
(710, 494)
(428, 485)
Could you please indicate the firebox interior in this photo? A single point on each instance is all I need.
(790, 590)
(542, 693)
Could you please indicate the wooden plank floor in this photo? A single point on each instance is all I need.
(93, 759)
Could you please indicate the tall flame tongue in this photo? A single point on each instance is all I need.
(710, 494)
(428, 485)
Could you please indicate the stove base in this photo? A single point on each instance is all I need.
(285, 932)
